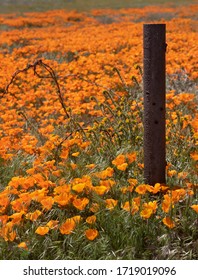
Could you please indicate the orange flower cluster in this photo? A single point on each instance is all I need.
(77, 195)
(122, 162)
(54, 168)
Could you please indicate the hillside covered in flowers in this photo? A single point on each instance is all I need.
(71, 136)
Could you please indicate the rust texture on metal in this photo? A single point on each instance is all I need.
(154, 47)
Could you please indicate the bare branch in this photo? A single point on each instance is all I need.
(51, 72)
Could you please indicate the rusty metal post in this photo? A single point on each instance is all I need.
(154, 44)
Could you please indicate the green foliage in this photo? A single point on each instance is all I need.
(41, 5)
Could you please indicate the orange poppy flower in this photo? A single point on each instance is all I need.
(124, 190)
(47, 202)
(19, 205)
(190, 192)
(64, 153)
(15, 182)
(132, 182)
(131, 207)
(131, 157)
(16, 217)
(152, 205)
(62, 189)
(100, 190)
(76, 219)
(182, 175)
(80, 203)
(111, 203)
(4, 201)
(75, 154)
(134, 208)
(11, 235)
(148, 209)
(79, 187)
(107, 183)
(63, 199)
(122, 166)
(178, 194)
(166, 203)
(91, 234)
(195, 207)
(23, 245)
(91, 219)
(52, 224)
(155, 189)
(146, 213)
(171, 173)
(90, 166)
(126, 206)
(120, 159)
(73, 165)
(7, 232)
(33, 216)
(141, 189)
(194, 156)
(108, 172)
(3, 219)
(68, 226)
(168, 222)
(42, 230)
(137, 200)
(56, 173)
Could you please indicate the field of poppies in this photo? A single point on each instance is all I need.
(71, 137)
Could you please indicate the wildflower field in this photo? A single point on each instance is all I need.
(71, 137)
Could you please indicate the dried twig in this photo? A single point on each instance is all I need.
(33, 66)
